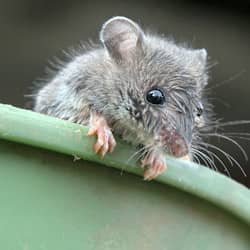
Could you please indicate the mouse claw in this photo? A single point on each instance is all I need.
(105, 139)
(154, 164)
(112, 143)
(186, 157)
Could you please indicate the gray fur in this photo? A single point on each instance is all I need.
(114, 78)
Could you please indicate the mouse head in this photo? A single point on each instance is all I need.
(159, 86)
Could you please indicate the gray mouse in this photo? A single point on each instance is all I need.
(141, 87)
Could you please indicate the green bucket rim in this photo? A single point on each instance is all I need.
(28, 127)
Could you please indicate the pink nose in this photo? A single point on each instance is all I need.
(175, 143)
(178, 147)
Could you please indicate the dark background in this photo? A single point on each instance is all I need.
(33, 32)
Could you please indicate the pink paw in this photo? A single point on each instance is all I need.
(154, 164)
(105, 139)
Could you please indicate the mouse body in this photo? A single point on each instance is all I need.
(141, 87)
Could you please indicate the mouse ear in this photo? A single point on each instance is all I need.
(201, 65)
(202, 56)
(122, 37)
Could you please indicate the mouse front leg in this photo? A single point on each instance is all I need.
(99, 128)
(154, 163)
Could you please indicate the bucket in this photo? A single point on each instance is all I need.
(56, 194)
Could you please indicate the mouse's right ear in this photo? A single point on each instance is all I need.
(122, 37)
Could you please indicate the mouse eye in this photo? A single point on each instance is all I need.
(199, 110)
(155, 96)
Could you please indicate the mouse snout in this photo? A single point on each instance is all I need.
(178, 147)
(174, 143)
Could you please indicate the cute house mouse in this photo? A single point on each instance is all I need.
(141, 87)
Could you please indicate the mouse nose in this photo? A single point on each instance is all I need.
(179, 147)
(174, 142)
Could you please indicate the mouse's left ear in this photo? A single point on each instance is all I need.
(199, 66)
(122, 37)
(202, 56)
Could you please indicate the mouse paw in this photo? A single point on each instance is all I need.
(105, 139)
(154, 164)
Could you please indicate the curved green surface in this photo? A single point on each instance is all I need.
(61, 136)
(94, 207)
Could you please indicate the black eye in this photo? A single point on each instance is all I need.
(199, 110)
(155, 96)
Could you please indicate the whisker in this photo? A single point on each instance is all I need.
(207, 160)
(224, 103)
(231, 140)
(236, 133)
(217, 157)
(230, 158)
(218, 124)
(233, 77)
(210, 160)
(139, 152)
(195, 157)
(197, 152)
(240, 137)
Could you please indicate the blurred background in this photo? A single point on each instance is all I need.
(33, 32)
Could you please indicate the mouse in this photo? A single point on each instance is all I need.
(136, 85)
